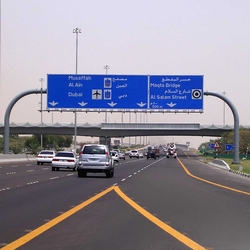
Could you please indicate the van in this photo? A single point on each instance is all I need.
(95, 158)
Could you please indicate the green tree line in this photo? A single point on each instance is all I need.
(228, 138)
(22, 144)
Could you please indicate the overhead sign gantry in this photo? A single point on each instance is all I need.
(156, 93)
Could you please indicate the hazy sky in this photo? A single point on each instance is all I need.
(157, 37)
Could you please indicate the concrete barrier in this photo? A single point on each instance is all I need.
(16, 157)
(220, 164)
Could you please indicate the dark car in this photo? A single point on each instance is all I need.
(151, 154)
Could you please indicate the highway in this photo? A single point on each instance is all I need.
(174, 204)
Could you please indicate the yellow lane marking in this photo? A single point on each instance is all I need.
(210, 182)
(181, 237)
(26, 238)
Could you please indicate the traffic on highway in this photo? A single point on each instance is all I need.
(163, 203)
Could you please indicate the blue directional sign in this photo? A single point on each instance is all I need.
(229, 147)
(176, 92)
(211, 146)
(124, 92)
(97, 92)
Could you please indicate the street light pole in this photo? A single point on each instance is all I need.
(41, 80)
(76, 31)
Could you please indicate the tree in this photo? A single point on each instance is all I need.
(244, 140)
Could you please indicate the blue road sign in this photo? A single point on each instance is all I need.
(122, 92)
(97, 92)
(211, 146)
(176, 92)
(229, 147)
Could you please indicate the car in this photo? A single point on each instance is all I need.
(122, 155)
(171, 150)
(64, 159)
(115, 155)
(117, 150)
(134, 153)
(151, 154)
(45, 156)
(140, 155)
(95, 158)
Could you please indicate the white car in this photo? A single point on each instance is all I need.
(140, 155)
(45, 156)
(134, 153)
(115, 156)
(64, 159)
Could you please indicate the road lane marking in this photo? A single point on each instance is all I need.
(212, 183)
(29, 236)
(182, 238)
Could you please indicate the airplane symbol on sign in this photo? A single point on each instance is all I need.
(97, 94)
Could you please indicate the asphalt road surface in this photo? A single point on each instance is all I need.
(173, 204)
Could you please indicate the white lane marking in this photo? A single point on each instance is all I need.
(32, 182)
(124, 179)
(53, 178)
(11, 173)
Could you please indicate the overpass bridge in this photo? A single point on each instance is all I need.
(119, 131)
(112, 130)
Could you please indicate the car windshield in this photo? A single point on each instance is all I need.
(65, 154)
(93, 150)
(46, 153)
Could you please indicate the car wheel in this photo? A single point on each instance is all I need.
(37, 163)
(57, 169)
(82, 173)
(112, 173)
(108, 173)
(53, 168)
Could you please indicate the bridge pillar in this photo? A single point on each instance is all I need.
(105, 140)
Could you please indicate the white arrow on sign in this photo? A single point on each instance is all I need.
(171, 104)
(82, 103)
(112, 104)
(53, 103)
(141, 104)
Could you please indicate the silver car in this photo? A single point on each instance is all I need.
(95, 158)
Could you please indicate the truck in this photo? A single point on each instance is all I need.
(153, 152)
